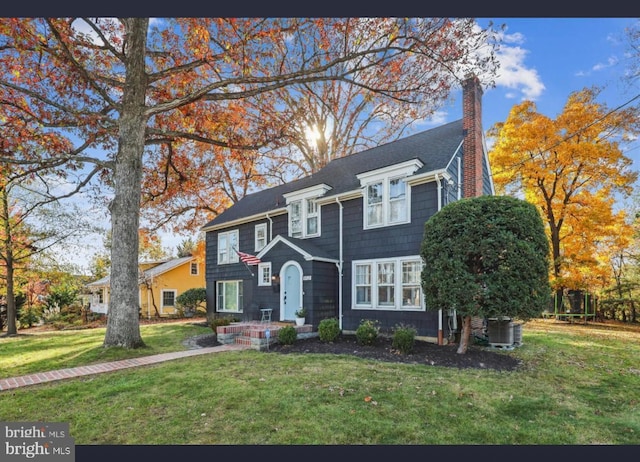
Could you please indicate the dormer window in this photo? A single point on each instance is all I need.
(386, 203)
(304, 211)
(386, 195)
(303, 218)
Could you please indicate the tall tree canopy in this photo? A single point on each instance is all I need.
(120, 89)
(32, 218)
(486, 256)
(31, 223)
(571, 168)
(316, 121)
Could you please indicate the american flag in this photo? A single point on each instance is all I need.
(248, 258)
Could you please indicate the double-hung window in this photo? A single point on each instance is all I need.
(261, 236)
(227, 246)
(386, 203)
(363, 284)
(311, 225)
(229, 296)
(295, 219)
(168, 298)
(388, 284)
(375, 194)
(304, 211)
(386, 194)
(397, 210)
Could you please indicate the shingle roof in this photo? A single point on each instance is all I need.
(100, 282)
(433, 147)
(169, 265)
(155, 271)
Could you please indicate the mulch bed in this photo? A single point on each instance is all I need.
(478, 357)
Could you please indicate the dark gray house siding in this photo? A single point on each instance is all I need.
(433, 165)
(487, 183)
(393, 241)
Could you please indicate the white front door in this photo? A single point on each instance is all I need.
(290, 290)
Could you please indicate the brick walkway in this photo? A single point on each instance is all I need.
(50, 376)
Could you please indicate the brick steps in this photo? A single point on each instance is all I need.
(257, 335)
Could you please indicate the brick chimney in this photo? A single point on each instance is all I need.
(472, 146)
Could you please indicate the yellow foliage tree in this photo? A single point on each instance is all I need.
(571, 168)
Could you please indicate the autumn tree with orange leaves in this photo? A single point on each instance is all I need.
(125, 90)
(191, 182)
(571, 168)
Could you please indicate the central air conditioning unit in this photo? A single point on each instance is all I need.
(500, 332)
(517, 334)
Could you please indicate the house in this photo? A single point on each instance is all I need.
(345, 241)
(160, 285)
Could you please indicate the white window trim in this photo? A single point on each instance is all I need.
(386, 204)
(384, 176)
(191, 266)
(175, 298)
(258, 227)
(239, 301)
(374, 285)
(303, 218)
(304, 196)
(261, 269)
(403, 169)
(232, 255)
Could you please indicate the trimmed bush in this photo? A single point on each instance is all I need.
(219, 322)
(189, 300)
(287, 335)
(328, 330)
(367, 332)
(404, 338)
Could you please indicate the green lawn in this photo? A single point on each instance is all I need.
(580, 385)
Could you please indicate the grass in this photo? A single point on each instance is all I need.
(579, 385)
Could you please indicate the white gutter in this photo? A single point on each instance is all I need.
(270, 226)
(440, 310)
(439, 191)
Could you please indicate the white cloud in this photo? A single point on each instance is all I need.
(437, 118)
(513, 72)
(612, 61)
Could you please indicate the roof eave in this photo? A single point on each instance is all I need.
(243, 220)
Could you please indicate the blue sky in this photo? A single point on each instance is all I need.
(545, 59)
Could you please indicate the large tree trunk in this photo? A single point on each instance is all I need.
(12, 311)
(465, 334)
(123, 326)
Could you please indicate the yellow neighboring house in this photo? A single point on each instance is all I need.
(160, 285)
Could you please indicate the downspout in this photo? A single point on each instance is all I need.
(339, 264)
(270, 227)
(439, 192)
(459, 177)
(440, 334)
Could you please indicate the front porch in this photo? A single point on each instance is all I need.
(258, 334)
